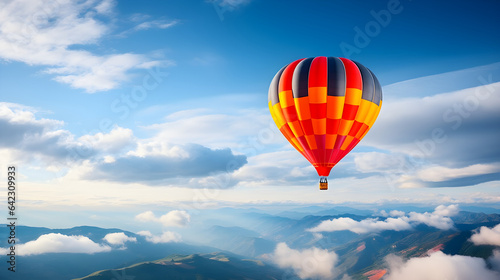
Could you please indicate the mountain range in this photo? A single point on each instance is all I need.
(246, 248)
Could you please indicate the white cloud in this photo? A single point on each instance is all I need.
(105, 7)
(441, 173)
(60, 243)
(169, 155)
(183, 161)
(307, 263)
(432, 220)
(448, 211)
(364, 226)
(113, 142)
(147, 216)
(439, 266)
(20, 115)
(144, 22)
(161, 24)
(108, 156)
(392, 213)
(440, 219)
(43, 33)
(487, 236)
(118, 238)
(436, 175)
(495, 260)
(383, 213)
(153, 148)
(165, 237)
(396, 213)
(174, 218)
(109, 159)
(424, 154)
(32, 137)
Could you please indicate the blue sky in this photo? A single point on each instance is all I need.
(142, 105)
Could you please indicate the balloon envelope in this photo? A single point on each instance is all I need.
(324, 106)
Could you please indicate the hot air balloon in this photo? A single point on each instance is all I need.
(324, 106)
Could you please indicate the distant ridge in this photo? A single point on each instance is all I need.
(197, 266)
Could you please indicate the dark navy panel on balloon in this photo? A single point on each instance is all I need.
(273, 94)
(378, 90)
(300, 78)
(368, 82)
(336, 77)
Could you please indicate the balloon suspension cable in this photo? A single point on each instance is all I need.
(323, 183)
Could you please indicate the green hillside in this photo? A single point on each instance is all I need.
(216, 266)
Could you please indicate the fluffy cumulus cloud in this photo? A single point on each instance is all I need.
(447, 211)
(169, 154)
(174, 218)
(439, 266)
(308, 263)
(147, 216)
(116, 140)
(118, 238)
(165, 237)
(439, 219)
(60, 243)
(364, 226)
(487, 236)
(392, 213)
(38, 32)
(424, 154)
(179, 161)
(30, 137)
(22, 131)
(495, 260)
